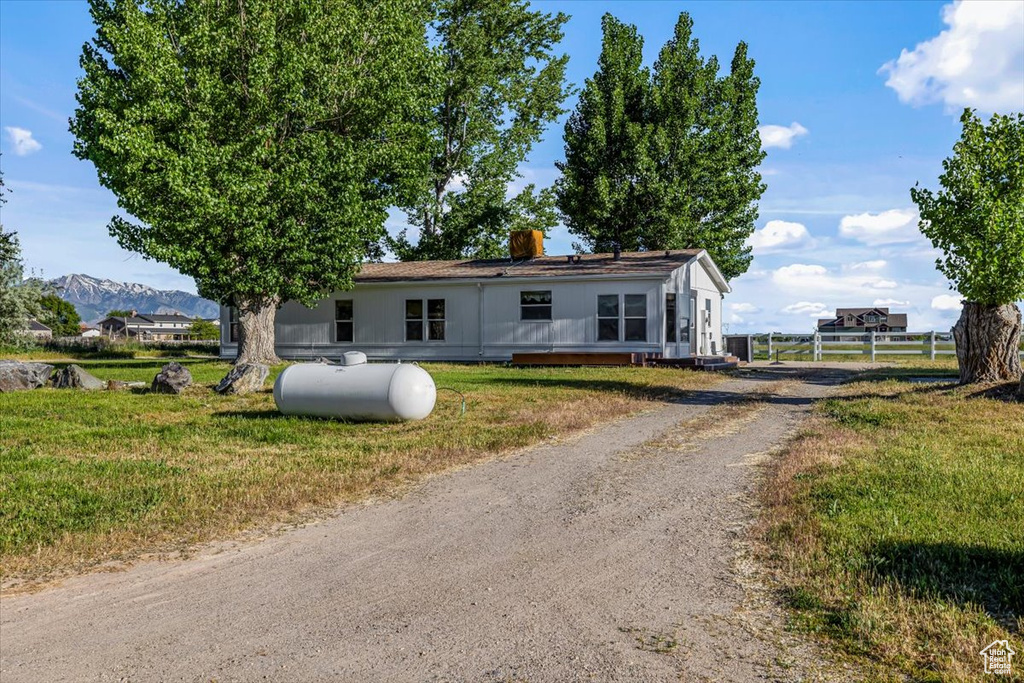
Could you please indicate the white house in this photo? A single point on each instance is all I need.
(663, 302)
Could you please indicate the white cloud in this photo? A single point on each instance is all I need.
(808, 308)
(780, 136)
(736, 319)
(947, 302)
(869, 265)
(887, 227)
(744, 308)
(22, 140)
(890, 302)
(977, 62)
(883, 284)
(778, 234)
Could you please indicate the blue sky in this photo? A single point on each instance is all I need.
(858, 101)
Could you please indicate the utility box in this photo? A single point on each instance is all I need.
(526, 244)
(741, 346)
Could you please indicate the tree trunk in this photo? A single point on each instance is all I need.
(988, 343)
(256, 315)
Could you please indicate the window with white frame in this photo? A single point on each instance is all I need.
(535, 305)
(635, 314)
(343, 323)
(424, 315)
(232, 325)
(622, 317)
(608, 317)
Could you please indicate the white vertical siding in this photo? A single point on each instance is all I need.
(483, 319)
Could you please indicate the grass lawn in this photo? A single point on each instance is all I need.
(89, 477)
(896, 526)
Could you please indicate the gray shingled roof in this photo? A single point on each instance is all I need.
(646, 263)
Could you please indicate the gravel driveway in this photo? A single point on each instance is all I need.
(616, 555)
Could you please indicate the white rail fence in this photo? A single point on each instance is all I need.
(816, 345)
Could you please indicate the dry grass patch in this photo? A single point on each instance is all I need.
(87, 478)
(894, 526)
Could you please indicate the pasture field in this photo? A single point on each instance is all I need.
(95, 477)
(895, 524)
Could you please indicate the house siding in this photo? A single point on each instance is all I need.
(482, 319)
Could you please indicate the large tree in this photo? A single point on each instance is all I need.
(500, 85)
(678, 151)
(977, 220)
(255, 144)
(606, 187)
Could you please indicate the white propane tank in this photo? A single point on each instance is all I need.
(356, 390)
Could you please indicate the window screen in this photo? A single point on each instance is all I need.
(535, 305)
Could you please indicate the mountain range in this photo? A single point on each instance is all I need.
(93, 297)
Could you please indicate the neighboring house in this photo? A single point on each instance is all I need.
(87, 331)
(147, 326)
(39, 330)
(663, 302)
(858, 321)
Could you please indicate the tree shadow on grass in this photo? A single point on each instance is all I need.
(962, 574)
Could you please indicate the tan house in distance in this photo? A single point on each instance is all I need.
(858, 321)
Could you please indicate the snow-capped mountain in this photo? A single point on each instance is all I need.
(93, 297)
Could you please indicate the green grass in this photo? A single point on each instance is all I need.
(87, 477)
(897, 525)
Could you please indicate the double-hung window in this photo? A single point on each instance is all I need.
(622, 317)
(343, 330)
(608, 317)
(424, 315)
(535, 305)
(232, 325)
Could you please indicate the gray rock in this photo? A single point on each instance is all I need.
(243, 379)
(323, 360)
(18, 376)
(171, 379)
(74, 377)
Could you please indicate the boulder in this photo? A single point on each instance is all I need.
(171, 379)
(18, 376)
(243, 379)
(74, 377)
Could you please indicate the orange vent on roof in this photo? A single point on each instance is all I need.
(526, 244)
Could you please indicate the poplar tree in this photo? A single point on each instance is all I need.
(694, 150)
(605, 192)
(255, 145)
(501, 83)
(976, 219)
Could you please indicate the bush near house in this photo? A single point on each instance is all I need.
(894, 523)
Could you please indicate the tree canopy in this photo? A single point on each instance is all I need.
(256, 145)
(664, 160)
(60, 316)
(976, 218)
(500, 85)
(19, 300)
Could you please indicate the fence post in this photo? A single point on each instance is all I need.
(817, 346)
(872, 346)
(769, 346)
(933, 345)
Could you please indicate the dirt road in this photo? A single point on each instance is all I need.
(617, 555)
